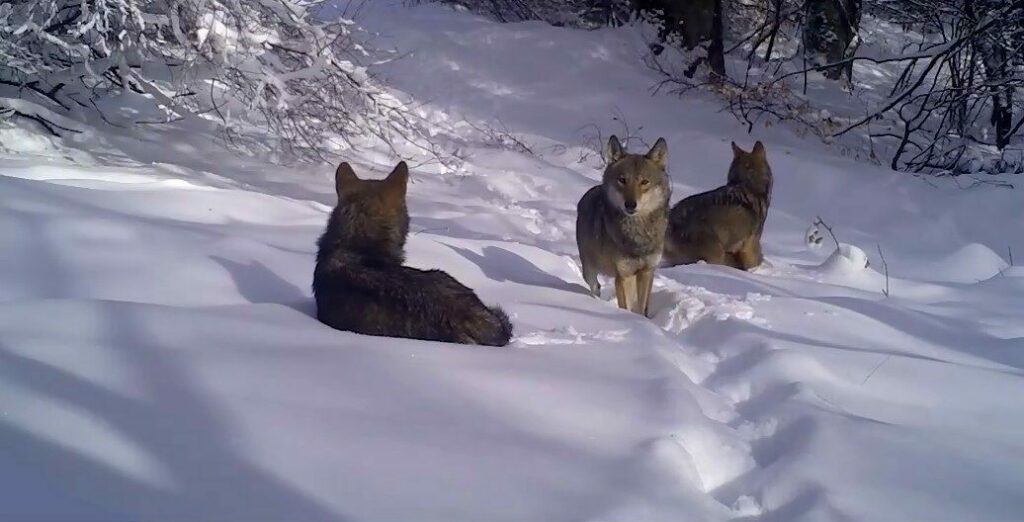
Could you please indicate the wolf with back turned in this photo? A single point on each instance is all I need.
(361, 286)
(620, 224)
(724, 226)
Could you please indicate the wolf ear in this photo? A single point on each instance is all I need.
(736, 150)
(615, 150)
(759, 150)
(398, 180)
(659, 152)
(345, 179)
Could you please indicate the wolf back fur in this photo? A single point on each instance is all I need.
(724, 226)
(361, 286)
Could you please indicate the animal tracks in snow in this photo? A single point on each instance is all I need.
(569, 335)
(677, 306)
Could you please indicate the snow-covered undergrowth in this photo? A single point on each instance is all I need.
(159, 358)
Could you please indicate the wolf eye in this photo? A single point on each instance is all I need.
(645, 181)
(622, 181)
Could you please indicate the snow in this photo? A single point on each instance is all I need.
(159, 358)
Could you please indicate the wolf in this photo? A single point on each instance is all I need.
(723, 226)
(621, 223)
(361, 286)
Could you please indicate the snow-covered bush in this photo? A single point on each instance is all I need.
(928, 85)
(574, 13)
(266, 67)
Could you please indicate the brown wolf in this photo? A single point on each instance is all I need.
(723, 226)
(361, 286)
(620, 224)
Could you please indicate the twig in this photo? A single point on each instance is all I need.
(629, 135)
(429, 230)
(875, 369)
(502, 137)
(821, 222)
(885, 268)
(596, 140)
(104, 116)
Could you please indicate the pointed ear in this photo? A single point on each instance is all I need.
(345, 180)
(659, 152)
(759, 150)
(398, 180)
(736, 150)
(615, 150)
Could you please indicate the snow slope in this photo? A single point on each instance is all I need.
(158, 358)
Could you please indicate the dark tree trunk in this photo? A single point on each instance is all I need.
(830, 34)
(716, 50)
(692, 23)
(698, 20)
(999, 59)
(1002, 97)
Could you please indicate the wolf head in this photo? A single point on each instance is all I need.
(371, 216)
(750, 170)
(637, 184)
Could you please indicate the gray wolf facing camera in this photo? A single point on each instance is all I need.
(621, 223)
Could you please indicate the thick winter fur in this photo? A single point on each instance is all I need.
(724, 226)
(361, 286)
(620, 224)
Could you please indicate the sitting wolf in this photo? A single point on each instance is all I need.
(361, 286)
(620, 224)
(723, 226)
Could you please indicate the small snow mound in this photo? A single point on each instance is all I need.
(746, 506)
(677, 309)
(18, 140)
(671, 459)
(969, 264)
(717, 459)
(847, 259)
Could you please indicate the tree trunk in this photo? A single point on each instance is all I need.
(693, 23)
(716, 50)
(830, 34)
(998, 59)
(1002, 96)
(698, 20)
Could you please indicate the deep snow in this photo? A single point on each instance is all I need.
(158, 358)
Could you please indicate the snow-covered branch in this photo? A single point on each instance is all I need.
(264, 67)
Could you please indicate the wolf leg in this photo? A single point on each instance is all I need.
(620, 291)
(733, 260)
(631, 292)
(625, 291)
(749, 255)
(644, 282)
(590, 276)
(713, 253)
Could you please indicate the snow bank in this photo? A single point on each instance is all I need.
(159, 358)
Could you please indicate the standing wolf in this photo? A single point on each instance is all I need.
(620, 224)
(361, 286)
(723, 226)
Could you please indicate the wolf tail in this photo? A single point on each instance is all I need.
(489, 327)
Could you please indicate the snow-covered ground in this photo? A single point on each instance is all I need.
(159, 361)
